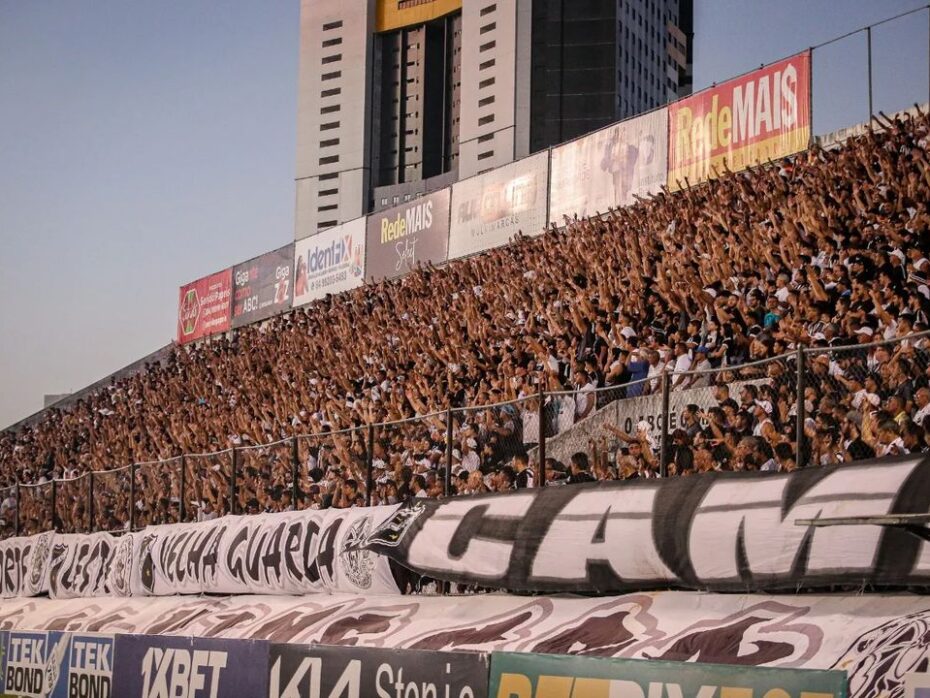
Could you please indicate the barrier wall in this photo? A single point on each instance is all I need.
(55, 664)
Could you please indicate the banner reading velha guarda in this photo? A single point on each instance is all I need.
(763, 115)
(559, 676)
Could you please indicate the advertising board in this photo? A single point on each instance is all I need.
(329, 262)
(609, 168)
(545, 675)
(356, 672)
(204, 306)
(402, 237)
(762, 115)
(262, 287)
(490, 208)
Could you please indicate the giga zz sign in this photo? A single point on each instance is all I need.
(177, 667)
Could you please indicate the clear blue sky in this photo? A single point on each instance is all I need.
(144, 144)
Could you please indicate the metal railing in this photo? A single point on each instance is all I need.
(814, 400)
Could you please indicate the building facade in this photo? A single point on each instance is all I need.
(401, 97)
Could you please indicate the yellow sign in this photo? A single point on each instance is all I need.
(393, 14)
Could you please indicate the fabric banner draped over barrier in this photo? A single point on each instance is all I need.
(720, 531)
(288, 553)
(880, 641)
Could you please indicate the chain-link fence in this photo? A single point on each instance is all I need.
(111, 499)
(817, 406)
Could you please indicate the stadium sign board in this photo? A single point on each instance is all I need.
(401, 238)
(163, 666)
(56, 665)
(762, 115)
(491, 208)
(547, 675)
(262, 287)
(609, 168)
(204, 306)
(358, 672)
(330, 262)
(718, 532)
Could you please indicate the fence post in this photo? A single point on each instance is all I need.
(448, 484)
(868, 39)
(132, 497)
(663, 442)
(800, 416)
(232, 481)
(16, 517)
(541, 451)
(182, 509)
(295, 472)
(55, 505)
(91, 527)
(370, 465)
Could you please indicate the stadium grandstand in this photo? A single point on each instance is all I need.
(689, 425)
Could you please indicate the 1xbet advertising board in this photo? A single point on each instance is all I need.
(765, 114)
(489, 209)
(204, 307)
(547, 676)
(158, 666)
(299, 671)
(331, 262)
(262, 287)
(403, 237)
(57, 665)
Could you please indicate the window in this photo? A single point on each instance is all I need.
(330, 126)
(331, 92)
(486, 83)
(322, 225)
(486, 154)
(332, 42)
(331, 76)
(486, 101)
(330, 109)
(328, 192)
(328, 207)
(488, 10)
(329, 143)
(484, 120)
(331, 175)
(332, 25)
(488, 46)
(331, 59)
(329, 160)
(486, 137)
(487, 64)
(488, 28)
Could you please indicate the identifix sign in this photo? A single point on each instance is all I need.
(560, 676)
(204, 307)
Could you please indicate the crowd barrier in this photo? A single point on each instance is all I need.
(310, 471)
(86, 665)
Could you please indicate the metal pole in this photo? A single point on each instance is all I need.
(54, 504)
(800, 417)
(182, 509)
(91, 526)
(16, 517)
(868, 39)
(232, 482)
(295, 472)
(132, 497)
(663, 443)
(370, 465)
(541, 466)
(448, 484)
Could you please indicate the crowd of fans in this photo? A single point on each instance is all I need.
(826, 250)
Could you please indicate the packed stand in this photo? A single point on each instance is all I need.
(827, 251)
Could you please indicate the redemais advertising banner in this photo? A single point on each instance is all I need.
(765, 114)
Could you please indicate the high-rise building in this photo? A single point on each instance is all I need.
(400, 97)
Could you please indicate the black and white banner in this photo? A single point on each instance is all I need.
(98, 564)
(722, 531)
(24, 565)
(287, 553)
(356, 672)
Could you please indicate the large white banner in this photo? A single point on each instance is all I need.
(489, 209)
(608, 168)
(24, 565)
(330, 262)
